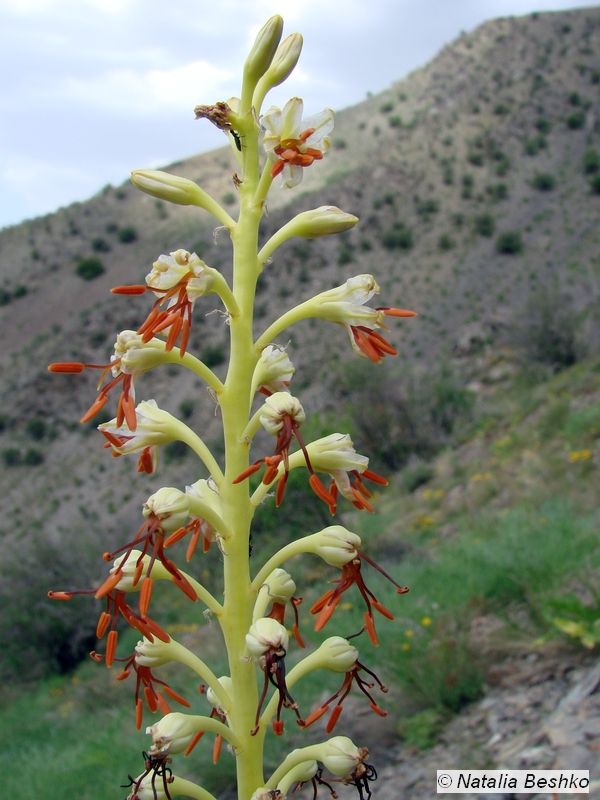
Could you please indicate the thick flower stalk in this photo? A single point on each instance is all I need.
(254, 700)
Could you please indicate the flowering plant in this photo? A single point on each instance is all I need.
(219, 506)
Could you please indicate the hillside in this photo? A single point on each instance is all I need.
(477, 182)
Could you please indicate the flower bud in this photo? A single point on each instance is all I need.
(321, 221)
(285, 59)
(204, 499)
(303, 772)
(278, 406)
(263, 50)
(266, 634)
(169, 187)
(341, 756)
(212, 698)
(154, 654)
(274, 369)
(172, 733)
(170, 505)
(280, 586)
(337, 654)
(147, 788)
(336, 545)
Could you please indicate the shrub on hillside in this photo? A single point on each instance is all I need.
(89, 268)
(127, 234)
(509, 243)
(398, 237)
(543, 182)
(576, 120)
(485, 225)
(591, 161)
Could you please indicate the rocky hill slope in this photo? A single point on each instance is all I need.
(476, 179)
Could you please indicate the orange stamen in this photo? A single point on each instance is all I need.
(216, 754)
(103, 623)
(145, 595)
(139, 713)
(335, 715)
(109, 584)
(66, 366)
(193, 742)
(134, 289)
(111, 647)
(370, 628)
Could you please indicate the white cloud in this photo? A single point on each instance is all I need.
(148, 91)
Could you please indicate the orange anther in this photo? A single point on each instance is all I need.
(66, 366)
(134, 289)
(111, 647)
(103, 623)
(145, 595)
(193, 742)
(335, 715)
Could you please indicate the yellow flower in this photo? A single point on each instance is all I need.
(579, 455)
(409, 633)
(405, 647)
(425, 621)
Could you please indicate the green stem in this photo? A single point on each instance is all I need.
(303, 545)
(184, 656)
(204, 595)
(253, 426)
(188, 361)
(235, 403)
(184, 788)
(310, 753)
(211, 725)
(291, 317)
(195, 443)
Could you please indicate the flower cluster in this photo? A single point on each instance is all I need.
(218, 506)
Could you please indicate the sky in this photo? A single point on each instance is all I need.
(90, 89)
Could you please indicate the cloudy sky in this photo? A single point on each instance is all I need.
(90, 89)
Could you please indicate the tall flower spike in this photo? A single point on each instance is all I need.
(282, 414)
(346, 305)
(153, 427)
(293, 143)
(177, 280)
(352, 575)
(267, 641)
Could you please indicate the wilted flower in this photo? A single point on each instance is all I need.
(267, 641)
(351, 575)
